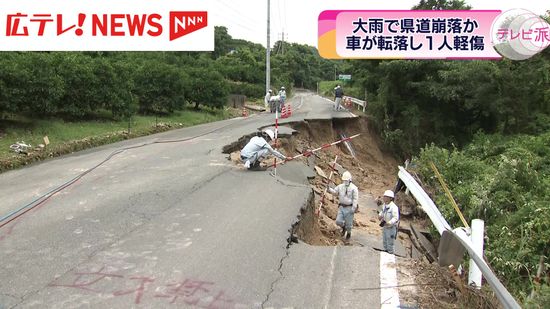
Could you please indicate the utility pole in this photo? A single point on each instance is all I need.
(366, 101)
(283, 45)
(268, 54)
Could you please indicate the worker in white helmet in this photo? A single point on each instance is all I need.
(282, 95)
(338, 95)
(389, 217)
(257, 148)
(267, 98)
(274, 103)
(348, 197)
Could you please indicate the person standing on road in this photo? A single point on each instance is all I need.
(282, 95)
(257, 148)
(389, 217)
(274, 103)
(338, 94)
(267, 97)
(348, 197)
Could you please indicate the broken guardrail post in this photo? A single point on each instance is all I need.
(475, 276)
(458, 235)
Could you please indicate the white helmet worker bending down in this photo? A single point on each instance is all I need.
(258, 148)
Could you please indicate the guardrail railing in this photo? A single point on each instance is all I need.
(360, 103)
(461, 235)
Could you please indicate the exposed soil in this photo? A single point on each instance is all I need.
(431, 286)
(374, 170)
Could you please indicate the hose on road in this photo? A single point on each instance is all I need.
(6, 219)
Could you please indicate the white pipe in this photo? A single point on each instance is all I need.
(475, 276)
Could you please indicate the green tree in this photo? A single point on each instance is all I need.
(13, 78)
(442, 5)
(222, 42)
(120, 97)
(160, 87)
(207, 87)
(80, 96)
(43, 88)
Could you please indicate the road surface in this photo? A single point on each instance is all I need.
(173, 224)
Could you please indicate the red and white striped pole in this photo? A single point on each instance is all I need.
(326, 189)
(325, 146)
(276, 134)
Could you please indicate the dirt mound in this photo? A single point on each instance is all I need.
(431, 286)
(374, 171)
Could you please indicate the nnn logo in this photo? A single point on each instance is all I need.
(183, 23)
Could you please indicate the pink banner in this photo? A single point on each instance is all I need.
(407, 34)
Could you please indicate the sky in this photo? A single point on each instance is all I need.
(247, 19)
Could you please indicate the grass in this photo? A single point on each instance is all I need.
(69, 136)
(326, 88)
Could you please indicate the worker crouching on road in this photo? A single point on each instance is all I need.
(348, 196)
(257, 148)
(389, 217)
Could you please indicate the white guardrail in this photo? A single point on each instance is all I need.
(451, 240)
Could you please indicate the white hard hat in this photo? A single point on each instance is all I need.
(270, 90)
(346, 176)
(270, 133)
(389, 193)
(282, 87)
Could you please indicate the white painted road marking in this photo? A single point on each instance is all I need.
(330, 278)
(389, 294)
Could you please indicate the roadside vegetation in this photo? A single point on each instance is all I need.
(326, 89)
(85, 99)
(69, 136)
(486, 126)
(505, 181)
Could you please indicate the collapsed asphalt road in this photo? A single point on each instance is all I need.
(174, 224)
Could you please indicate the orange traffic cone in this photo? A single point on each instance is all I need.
(348, 102)
(288, 111)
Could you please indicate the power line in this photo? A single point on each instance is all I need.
(285, 13)
(282, 43)
(236, 23)
(279, 13)
(250, 22)
(229, 7)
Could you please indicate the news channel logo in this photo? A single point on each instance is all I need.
(519, 34)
